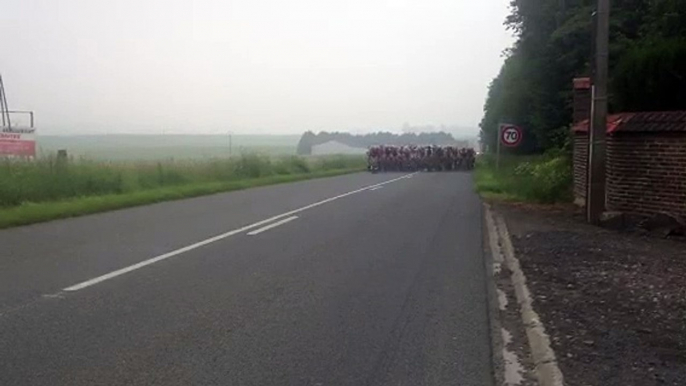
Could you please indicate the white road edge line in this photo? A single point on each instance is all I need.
(222, 236)
(375, 188)
(272, 225)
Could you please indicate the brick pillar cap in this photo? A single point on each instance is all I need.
(582, 83)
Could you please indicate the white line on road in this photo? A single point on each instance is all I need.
(272, 225)
(375, 188)
(222, 236)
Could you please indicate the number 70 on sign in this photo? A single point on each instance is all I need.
(510, 135)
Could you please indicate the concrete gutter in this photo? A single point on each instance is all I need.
(546, 368)
(493, 261)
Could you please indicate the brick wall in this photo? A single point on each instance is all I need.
(646, 173)
(580, 152)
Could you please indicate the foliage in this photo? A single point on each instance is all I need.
(652, 76)
(541, 179)
(554, 45)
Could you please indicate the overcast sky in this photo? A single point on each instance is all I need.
(260, 66)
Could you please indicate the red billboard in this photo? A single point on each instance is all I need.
(18, 142)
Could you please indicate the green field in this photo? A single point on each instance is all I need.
(164, 147)
(49, 188)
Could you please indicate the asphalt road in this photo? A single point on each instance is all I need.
(335, 281)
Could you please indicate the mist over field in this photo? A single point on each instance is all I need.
(121, 147)
(158, 147)
(250, 67)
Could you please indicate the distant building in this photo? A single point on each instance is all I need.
(335, 147)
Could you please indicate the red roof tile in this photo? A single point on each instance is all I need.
(582, 83)
(655, 121)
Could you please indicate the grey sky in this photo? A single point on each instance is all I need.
(279, 66)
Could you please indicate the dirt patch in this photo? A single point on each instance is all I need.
(613, 303)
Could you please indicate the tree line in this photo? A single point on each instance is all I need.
(554, 44)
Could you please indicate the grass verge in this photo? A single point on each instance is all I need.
(30, 213)
(545, 179)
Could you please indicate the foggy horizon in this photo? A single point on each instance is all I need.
(251, 67)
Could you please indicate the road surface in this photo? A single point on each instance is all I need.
(354, 280)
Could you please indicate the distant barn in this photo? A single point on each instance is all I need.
(335, 147)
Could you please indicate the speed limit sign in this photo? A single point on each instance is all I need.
(510, 135)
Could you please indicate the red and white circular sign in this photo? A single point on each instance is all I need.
(511, 135)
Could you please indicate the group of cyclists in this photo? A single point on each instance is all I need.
(415, 158)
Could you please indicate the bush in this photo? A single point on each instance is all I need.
(296, 165)
(551, 180)
(253, 166)
(542, 179)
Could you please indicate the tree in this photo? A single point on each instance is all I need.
(533, 88)
(652, 77)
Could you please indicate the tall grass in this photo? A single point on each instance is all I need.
(50, 179)
(541, 179)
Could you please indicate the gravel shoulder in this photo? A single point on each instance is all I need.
(614, 303)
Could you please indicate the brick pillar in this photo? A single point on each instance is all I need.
(582, 112)
(582, 99)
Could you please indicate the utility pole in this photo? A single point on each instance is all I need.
(595, 197)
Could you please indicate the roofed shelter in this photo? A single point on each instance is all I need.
(646, 159)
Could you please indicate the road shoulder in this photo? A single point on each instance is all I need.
(612, 302)
(513, 363)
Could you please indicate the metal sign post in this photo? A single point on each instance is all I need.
(497, 140)
(508, 135)
(18, 139)
(4, 109)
